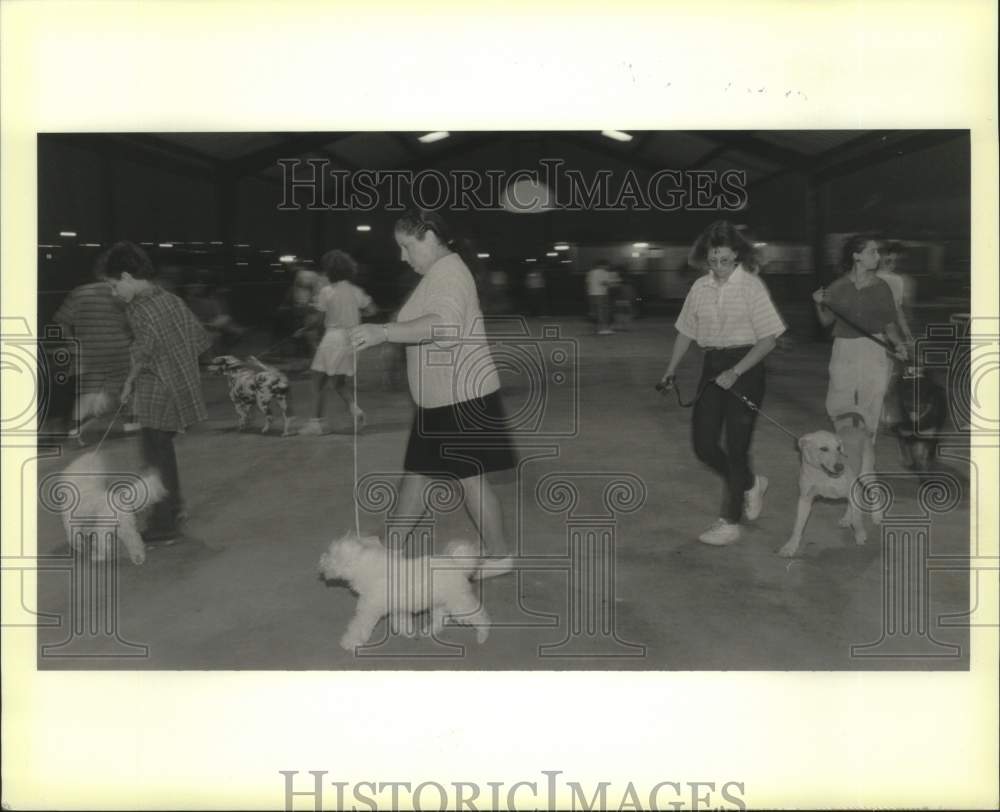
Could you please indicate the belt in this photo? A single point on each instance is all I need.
(729, 349)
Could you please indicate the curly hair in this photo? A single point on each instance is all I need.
(338, 265)
(125, 257)
(723, 234)
(855, 245)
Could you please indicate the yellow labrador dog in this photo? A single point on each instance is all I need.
(830, 465)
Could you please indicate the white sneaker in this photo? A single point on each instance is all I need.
(314, 426)
(753, 499)
(720, 534)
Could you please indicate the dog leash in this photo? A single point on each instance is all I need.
(855, 326)
(108, 429)
(663, 388)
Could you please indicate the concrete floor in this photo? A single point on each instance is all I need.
(242, 591)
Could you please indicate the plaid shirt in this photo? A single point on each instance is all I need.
(168, 340)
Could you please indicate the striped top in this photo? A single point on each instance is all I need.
(168, 340)
(734, 313)
(96, 319)
(456, 365)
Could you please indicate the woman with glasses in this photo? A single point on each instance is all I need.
(729, 314)
(459, 429)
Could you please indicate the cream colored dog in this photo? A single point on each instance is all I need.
(831, 463)
(93, 482)
(391, 585)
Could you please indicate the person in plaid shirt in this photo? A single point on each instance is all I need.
(163, 382)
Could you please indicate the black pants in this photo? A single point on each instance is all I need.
(718, 412)
(158, 454)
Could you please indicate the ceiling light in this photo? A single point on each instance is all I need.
(483, 256)
(531, 259)
(551, 254)
(242, 245)
(90, 245)
(364, 228)
(430, 138)
(759, 244)
(216, 242)
(640, 245)
(242, 263)
(561, 246)
(636, 254)
(616, 135)
(67, 233)
(286, 258)
(166, 245)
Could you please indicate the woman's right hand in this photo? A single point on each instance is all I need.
(820, 296)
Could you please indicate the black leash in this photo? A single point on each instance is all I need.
(670, 384)
(852, 324)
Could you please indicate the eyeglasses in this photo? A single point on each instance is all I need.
(723, 262)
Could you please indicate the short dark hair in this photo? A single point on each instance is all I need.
(338, 265)
(723, 234)
(855, 245)
(417, 222)
(125, 257)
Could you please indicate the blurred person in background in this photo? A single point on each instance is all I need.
(598, 281)
(901, 286)
(95, 317)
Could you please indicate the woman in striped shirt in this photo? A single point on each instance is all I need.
(729, 314)
(96, 319)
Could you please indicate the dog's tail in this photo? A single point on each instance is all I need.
(465, 552)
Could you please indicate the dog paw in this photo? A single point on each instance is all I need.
(350, 642)
(844, 521)
(860, 539)
(789, 550)
(138, 558)
(482, 633)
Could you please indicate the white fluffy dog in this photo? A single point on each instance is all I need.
(89, 477)
(391, 585)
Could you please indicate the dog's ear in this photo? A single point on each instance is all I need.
(807, 446)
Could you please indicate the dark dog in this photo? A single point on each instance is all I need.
(254, 384)
(922, 408)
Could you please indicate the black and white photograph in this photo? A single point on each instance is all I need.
(507, 400)
(499, 407)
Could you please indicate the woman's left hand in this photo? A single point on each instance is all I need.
(726, 379)
(366, 335)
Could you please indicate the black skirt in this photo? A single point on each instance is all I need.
(460, 440)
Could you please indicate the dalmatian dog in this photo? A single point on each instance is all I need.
(254, 383)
